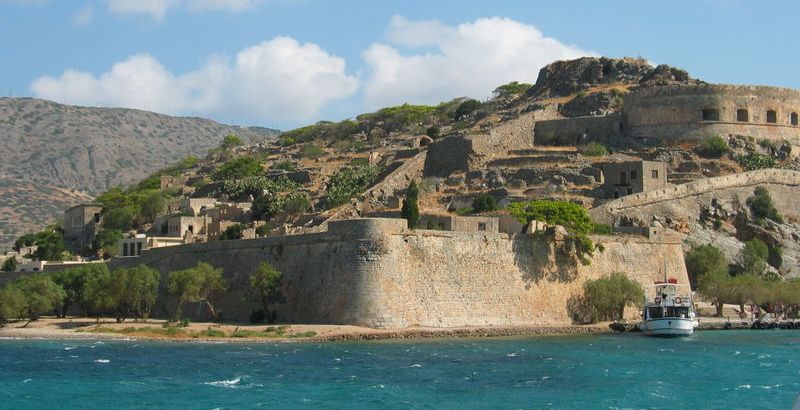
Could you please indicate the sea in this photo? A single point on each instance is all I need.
(709, 370)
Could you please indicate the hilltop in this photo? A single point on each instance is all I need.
(74, 153)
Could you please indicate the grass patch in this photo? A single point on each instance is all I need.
(310, 333)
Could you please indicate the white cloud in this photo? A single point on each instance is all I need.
(83, 16)
(155, 8)
(275, 81)
(158, 8)
(230, 5)
(469, 59)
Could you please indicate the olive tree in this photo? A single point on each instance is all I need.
(196, 284)
(265, 283)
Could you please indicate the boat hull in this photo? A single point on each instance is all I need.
(668, 327)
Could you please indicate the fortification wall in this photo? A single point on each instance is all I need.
(375, 272)
(686, 200)
(578, 130)
(676, 112)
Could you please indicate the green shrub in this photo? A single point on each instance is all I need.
(511, 89)
(467, 210)
(232, 232)
(608, 296)
(210, 332)
(433, 131)
(10, 264)
(238, 168)
(593, 149)
(359, 162)
(484, 203)
(466, 108)
(255, 186)
(714, 147)
(296, 203)
(285, 165)
(752, 162)
(761, 206)
(263, 230)
(573, 217)
(312, 151)
(346, 183)
(230, 141)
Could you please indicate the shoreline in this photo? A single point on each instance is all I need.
(89, 329)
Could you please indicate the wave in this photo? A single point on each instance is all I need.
(232, 384)
(102, 361)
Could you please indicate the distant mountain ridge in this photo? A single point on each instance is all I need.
(87, 150)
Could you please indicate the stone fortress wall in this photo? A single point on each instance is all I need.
(375, 272)
(685, 112)
(688, 199)
(698, 111)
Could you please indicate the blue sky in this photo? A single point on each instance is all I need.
(286, 63)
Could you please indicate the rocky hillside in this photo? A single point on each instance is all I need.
(61, 148)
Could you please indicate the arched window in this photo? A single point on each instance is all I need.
(772, 116)
(793, 118)
(742, 115)
(710, 114)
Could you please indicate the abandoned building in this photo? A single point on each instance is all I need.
(80, 226)
(631, 177)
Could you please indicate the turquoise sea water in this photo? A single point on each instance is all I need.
(736, 369)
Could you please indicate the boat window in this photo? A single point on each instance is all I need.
(678, 311)
(655, 312)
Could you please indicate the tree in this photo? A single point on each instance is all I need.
(11, 303)
(265, 283)
(75, 284)
(134, 292)
(484, 202)
(232, 232)
(410, 210)
(715, 285)
(10, 264)
(754, 257)
(761, 206)
(196, 284)
(609, 295)
(296, 203)
(50, 246)
(704, 259)
(23, 241)
(120, 219)
(106, 242)
(153, 205)
(39, 295)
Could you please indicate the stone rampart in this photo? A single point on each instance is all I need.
(689, 112)
(375, 272)
(578, 130)
(688, 199)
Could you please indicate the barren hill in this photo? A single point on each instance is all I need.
(61, 148)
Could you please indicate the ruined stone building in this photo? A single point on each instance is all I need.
(81, 223)
(631, 177)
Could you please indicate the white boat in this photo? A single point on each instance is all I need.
(670, 312)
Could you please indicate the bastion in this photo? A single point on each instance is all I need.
(684, 113)
(375, 272)
(699, 111)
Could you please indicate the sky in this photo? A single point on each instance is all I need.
(288, 63)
